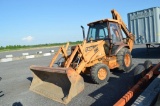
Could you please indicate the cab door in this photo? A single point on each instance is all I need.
(115, 35)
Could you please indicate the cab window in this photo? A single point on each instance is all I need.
(115, 33)
(97, 31)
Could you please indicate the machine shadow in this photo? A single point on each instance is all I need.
(144, 53)
(87, 78)
(30, 78)
(1, 92)
(17, 104)
(116, 87)
(107, 94)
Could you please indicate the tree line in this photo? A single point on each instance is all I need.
(14, 47)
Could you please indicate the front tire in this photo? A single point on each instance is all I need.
(100, 73)
(124, 59)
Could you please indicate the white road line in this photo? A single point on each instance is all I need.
(25, 54)
(6, 59)
(9, 56)
(39, 52)
(30, 56)
(52, 51)
(46, 54)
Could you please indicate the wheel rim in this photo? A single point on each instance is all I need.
(127, 60)
(102, 73)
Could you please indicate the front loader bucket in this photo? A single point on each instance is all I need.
(59, 84)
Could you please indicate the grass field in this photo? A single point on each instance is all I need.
(20, 47)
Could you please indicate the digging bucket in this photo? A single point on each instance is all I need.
(59, 84)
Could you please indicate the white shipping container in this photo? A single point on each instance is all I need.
(145, 25)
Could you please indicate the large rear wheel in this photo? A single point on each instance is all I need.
(100, 73)
(124, 59)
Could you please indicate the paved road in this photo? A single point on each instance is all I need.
(16, 79)
(30, 51)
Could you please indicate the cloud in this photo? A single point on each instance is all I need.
(28, 38)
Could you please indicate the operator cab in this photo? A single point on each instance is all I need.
(105, 30)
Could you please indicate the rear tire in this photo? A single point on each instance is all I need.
(100, 73)
(124, 59)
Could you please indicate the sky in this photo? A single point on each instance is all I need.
(30, 22)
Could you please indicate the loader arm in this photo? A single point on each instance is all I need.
(90, 56)
(61, 50)
(130, 36)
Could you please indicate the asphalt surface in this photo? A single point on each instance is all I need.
(16, 80)
(32, 51)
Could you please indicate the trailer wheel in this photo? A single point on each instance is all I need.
(147, 64)
(100, 73)
(124, 59)
(139, 72)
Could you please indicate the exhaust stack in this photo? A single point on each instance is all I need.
(83, 33)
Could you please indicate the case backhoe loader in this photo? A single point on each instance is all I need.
(103, 49)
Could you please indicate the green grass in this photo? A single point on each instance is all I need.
(21, 47)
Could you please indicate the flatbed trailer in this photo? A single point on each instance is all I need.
(149, 95)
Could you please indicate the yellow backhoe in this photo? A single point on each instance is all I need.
(108, 45)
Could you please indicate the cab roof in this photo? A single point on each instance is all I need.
(102, 21)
